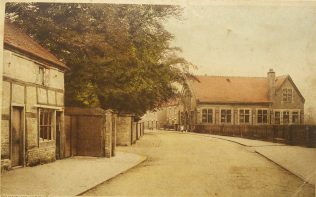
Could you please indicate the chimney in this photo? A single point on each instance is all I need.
(271, 84)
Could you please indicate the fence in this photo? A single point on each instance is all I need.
(299, 135)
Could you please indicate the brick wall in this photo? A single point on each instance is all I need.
(124, 130)
(108, 134)
(134, 137)
(41, 155)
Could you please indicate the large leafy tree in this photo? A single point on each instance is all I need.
(120, 55)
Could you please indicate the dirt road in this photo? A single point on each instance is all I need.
(181, 164)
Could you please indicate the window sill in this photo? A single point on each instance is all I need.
(45, 143)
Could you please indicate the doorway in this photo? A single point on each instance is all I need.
(17, 137)
(58, 134)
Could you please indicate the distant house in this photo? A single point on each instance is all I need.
(242, 100)
(167, 116)
(32, 102)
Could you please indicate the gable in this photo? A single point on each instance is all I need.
(288, 82)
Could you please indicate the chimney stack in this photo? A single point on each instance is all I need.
(271, 84)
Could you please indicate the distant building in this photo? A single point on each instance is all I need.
(32, 102)
(242, 100)
(165, 117)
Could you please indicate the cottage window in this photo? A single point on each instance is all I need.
(277, 117)
(244, 116)
(262, 116)
(45, 124)
(207, 115)
(295, 118)
(40, 75)
(226, 116)
(287, 95)
(286, 117)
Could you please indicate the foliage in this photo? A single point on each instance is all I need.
(120, 55)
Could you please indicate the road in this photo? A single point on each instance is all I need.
(183, 164)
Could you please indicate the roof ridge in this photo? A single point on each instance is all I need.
(223, 76)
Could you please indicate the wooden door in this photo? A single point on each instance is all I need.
(67, 141)
(89, 139)
(17, 137)
(58, 128)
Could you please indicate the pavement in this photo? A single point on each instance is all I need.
(67, 177)
(298, 160)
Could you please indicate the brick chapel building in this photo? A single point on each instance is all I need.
(242, 100)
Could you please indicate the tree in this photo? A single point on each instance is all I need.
(120, 55)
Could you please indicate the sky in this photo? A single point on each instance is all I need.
(244, 38)
(248, 40)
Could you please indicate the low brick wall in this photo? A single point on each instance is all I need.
(299, 135)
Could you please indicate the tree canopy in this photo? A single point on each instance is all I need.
(120, 55)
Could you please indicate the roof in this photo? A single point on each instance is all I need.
(15, 38)
(230, 89)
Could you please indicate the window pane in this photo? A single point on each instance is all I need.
(210, 115)
(228, 118)
(286, 117)
(277, 117)
(49, 132)
(204, 115)
(247, 119)
(295, 117)
(241, 120)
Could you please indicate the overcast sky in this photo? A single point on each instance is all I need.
(248, 40)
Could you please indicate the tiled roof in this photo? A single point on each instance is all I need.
(15, 38)
(228, 89)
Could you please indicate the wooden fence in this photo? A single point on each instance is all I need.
(299, 135)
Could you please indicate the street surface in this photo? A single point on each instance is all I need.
(182, 164)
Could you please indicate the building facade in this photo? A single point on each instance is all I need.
(32, 102)
(242, 101)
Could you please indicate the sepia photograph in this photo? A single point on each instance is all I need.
(158, 98)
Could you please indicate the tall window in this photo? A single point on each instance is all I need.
(40, 75)
(226, 116)
(287, 95)
(207, 116)
(45, 124)
(295, 118)
(262, 116)
(277, 117)
(286, 117)
(244, 116)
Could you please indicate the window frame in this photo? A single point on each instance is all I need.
(244, 115)
(267, 116)
(209, 119)
(287, 95)
(288, 117)
(298, 117)
(47, 127)
(280, 113)
(226, 115)
(40, 74)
